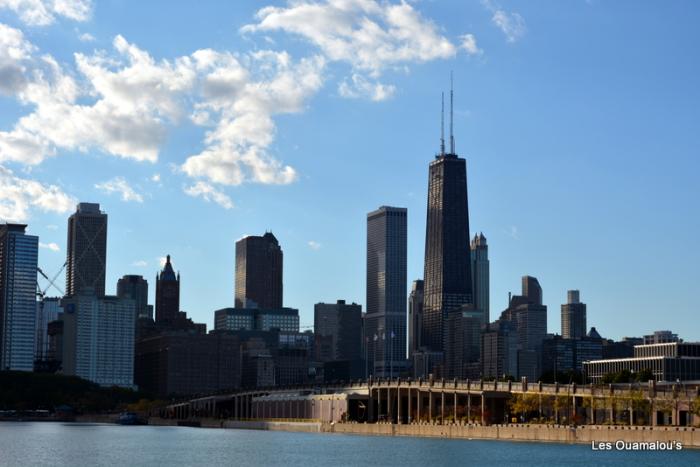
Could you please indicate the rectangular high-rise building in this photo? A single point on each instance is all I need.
(18, 267)
(98, 339)
(338, 331)
(258, 272)
(386, 291)
(573, 317)
(86, 259)
(480, 275)
(447, 273)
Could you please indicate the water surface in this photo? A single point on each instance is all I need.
(49, 444)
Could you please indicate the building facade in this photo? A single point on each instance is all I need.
(135, 288)
(573, 317)
(255, 319)
(178, 363)
(386, 291)
(47, 311)
(415, 316)
(528, 318)
(671, 361)
(86, 258)
(338, 331)
(463, 343)
(18, 268)
(480, 275)
(98, 339)
(499, 350)
(259, 262)
(167, 294)
(563, 355)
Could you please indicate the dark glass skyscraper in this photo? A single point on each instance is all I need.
(447, 273)
(167, 294)
(258, 272)
(385, 322)
(86, 260)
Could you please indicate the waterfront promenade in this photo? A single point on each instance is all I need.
(406, 402)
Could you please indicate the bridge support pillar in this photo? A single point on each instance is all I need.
(398, 404)
(419, 402)
(454, 409)
(483, 406)
(442, 407)
(430, 406)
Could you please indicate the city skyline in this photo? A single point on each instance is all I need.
(539, 219)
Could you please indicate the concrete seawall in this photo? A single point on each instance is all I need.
(586, 434)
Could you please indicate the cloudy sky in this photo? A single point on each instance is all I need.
(196, 123)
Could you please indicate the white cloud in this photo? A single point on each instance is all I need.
(86, 37)
(15, 52)
(44, 12)
(50, 246)
(369, 35)
(162, 260)
(155, 178)
(52, 227)
(359, 86)
(140, 263)
(244, 99)
(121, 186)
(18, 196)
(512, 24)
(136, 98)
(314, 245)
(209, 193)
(469, 44)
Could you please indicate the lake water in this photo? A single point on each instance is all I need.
(39, 444)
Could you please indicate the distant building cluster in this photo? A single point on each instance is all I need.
(440, 328)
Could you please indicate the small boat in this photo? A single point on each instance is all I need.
(130, 418)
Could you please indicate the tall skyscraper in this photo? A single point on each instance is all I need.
(447, 273)
(573, 317)
(386, 290)
(258, 272)
(415, 316)
(86, 259)
(18, 263)
(136, 288)
(167, 294)
(480, 275)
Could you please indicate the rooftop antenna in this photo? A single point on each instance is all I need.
(452, 138)
(442, 127)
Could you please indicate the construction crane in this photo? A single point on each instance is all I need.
(52, 282)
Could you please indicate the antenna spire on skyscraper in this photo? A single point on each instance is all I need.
(452, 138)
(442, 127)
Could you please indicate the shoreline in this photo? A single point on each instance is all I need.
(689, 437)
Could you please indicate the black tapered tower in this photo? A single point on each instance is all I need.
(447, 273)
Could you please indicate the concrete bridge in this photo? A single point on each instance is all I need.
(400, 401)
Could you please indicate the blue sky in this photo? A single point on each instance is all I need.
(194, 124)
